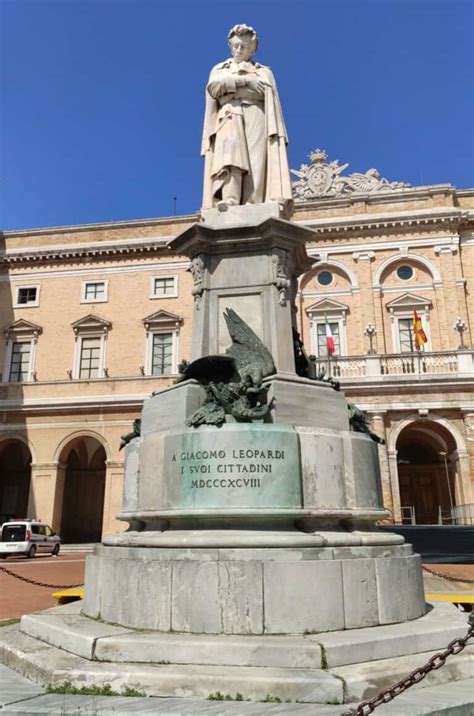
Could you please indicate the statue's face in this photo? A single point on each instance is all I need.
(242, 48)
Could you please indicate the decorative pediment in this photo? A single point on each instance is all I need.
(322, 179)
(327, 305)
(91, 324)
(409, 301)
(162, 320)
(22, 328)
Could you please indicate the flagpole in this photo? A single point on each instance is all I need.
(327, 347)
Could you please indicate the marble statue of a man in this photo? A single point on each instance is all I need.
(244, 140)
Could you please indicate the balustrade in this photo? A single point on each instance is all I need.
(391, 364)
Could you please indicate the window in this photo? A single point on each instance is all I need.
(405, 273)
(90, 348)
(162, 343)
(402, 311)
(322, 351)
(331, 312)
(94, 292)
(325, 278)
(406, 335)
(164, 286)
(162, 353)
(89, 365)
(20, 351)
(26, 296)
(20, 361)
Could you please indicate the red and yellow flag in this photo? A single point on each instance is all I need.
(420, 335)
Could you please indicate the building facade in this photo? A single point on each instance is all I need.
(94, 318)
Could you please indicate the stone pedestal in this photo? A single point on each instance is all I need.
(252, 268)
(254, 590)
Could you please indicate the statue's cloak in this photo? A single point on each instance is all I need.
(278, 182)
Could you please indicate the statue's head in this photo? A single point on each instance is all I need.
(243, 42)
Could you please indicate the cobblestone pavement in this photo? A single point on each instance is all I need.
(18, 598)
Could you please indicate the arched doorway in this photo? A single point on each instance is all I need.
(84, 488)
(15, 477)
(426, 472)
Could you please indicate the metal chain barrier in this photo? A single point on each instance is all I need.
(436, 662)
(448, 577)
(39, 584)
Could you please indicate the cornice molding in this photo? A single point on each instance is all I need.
(72, 228)
(52, 254)
(451, 219)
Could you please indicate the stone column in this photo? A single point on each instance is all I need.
(58, 496)
(42, 491)
(466, 458)
(395, 486)
(113, 497)
(462, 481)
(378, 426)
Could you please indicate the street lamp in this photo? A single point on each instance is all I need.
(460, 327)
(370, 332)
(444, 456)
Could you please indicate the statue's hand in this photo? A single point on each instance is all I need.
(256, 84)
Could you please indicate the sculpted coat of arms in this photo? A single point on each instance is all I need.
(323, 179)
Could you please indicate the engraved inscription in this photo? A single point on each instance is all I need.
(236, 464)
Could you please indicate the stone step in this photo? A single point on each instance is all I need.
(19, 696)
(66, 628)
(48, 664)
(363, 681)
(443, 623)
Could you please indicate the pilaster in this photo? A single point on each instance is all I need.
(41, 499)
(114, 472)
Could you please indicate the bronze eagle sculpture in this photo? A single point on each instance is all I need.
(233, 381)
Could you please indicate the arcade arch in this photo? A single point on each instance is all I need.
(15, 478)
(80, 489)
(428, 474)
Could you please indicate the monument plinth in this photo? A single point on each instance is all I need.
(247, 524)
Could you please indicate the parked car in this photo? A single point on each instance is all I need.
(28, 537)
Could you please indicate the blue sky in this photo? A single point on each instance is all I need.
(103, 99)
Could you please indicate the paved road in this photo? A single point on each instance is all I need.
(18, 598)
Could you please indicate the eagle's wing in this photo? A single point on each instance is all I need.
(211, 368)
(247, 349)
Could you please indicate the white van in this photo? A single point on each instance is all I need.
(27, 537)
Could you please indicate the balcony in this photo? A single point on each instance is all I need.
(401, 367)
(128, 391)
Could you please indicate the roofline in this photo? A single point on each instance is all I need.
(182, 218)
(382, 197)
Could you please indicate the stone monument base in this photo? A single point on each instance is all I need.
(254, 590)
(61, 645)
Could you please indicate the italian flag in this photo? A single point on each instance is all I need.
(329, 340)
(420, 335)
